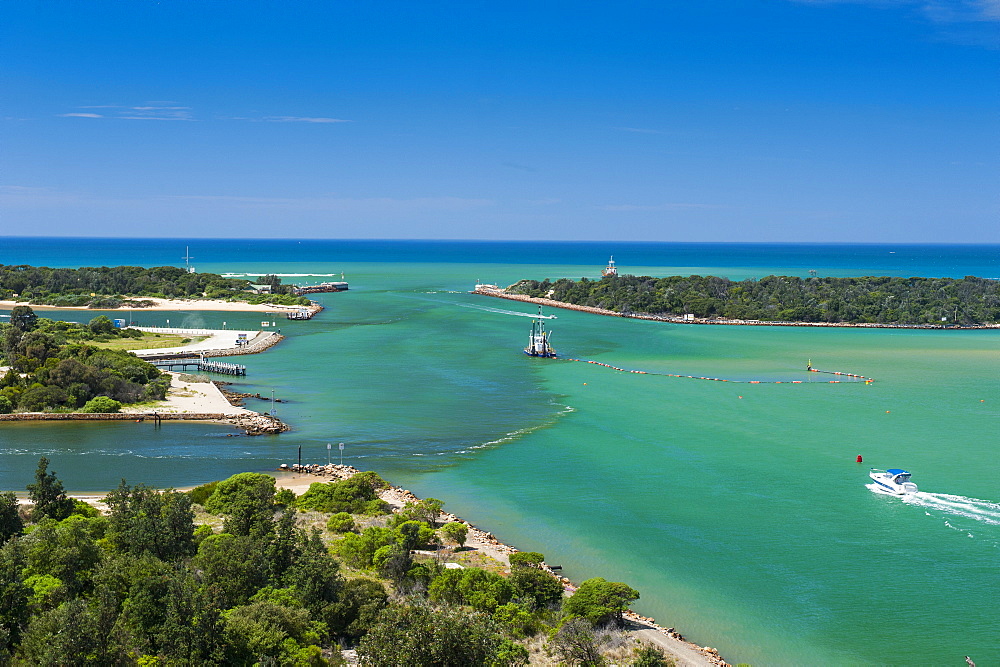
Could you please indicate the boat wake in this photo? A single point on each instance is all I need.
(983, 511)
(500, 311)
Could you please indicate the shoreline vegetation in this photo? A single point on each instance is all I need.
(867, 302)
(55, 373)
(134, 287)
(678, 649)
(345, 550)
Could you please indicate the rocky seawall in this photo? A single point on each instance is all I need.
(251, 424)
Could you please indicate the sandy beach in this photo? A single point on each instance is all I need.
(175, 304)
(193, 397)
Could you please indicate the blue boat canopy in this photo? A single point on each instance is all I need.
(896, 471)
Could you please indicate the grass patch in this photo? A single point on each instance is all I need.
(188, 377)
(149, 341)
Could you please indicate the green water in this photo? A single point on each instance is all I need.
(737, 510)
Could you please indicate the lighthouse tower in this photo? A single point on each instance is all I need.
(610, 269)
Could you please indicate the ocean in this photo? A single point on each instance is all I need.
(736, 509)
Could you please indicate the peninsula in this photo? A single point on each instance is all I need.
(159, 287)
(968, 302)
(65, 371)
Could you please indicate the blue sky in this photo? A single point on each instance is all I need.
(725, 120)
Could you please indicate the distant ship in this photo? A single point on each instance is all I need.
(538, 341)
(610, 269)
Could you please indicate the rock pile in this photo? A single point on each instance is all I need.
(254, 424)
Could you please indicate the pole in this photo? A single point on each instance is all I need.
(272, 402)
(300, 456)
(341, 453)
(328, 447)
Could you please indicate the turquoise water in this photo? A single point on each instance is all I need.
(737, 510)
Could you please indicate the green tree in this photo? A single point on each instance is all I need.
(66, 635)
(146, 521)
(393, 562)
(358, 549)
(23, 318)
(515, 620)
(14, 595)
(284, 546)
(40, 398)
(358, 605)
(577, 644)
(102, 404)
(526, 559)
(47, 495)
(419, 635)
(415, 535)
(314, 574)
(268, 633)
(232, 565)
(248, 501)
(351, 495)
(427, 510)
(102, 324)
(600, 601)
(650, 656)
(482, 590)
(284, 497)
(341, 522)
(66, 550)
(536, 586)
(455, 532)
(192, 630)
(11, 524)
(200, 494)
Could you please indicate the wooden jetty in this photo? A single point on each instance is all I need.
(321, 288)
(183, 362)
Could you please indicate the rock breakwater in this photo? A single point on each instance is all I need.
(251, 423)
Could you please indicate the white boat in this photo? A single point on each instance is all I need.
(894, 480)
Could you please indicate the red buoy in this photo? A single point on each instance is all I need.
(859, 458)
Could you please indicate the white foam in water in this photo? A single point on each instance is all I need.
(500, 311)
(983, 511)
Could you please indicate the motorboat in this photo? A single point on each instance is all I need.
(894, 480)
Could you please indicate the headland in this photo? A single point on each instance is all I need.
(501, 293)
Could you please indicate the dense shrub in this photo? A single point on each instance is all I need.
(355, 495)
(102, 404)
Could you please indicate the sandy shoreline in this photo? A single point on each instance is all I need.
(683, 652)
(173, 304)
(192, 397)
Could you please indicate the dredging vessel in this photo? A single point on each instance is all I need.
(538, 340)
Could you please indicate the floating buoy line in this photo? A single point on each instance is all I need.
(867, 380)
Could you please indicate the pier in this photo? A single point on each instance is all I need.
(183, 362)
(322, 288)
